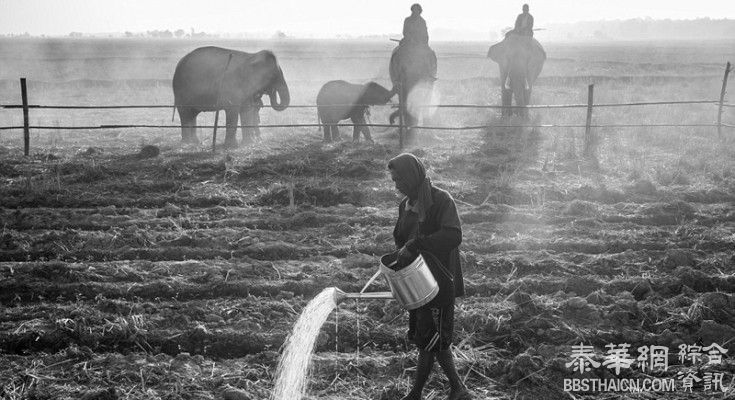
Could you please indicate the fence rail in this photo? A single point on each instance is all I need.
(489, 106)
(426, 127)
(590, 137)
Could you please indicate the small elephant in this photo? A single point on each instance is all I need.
(339, 100)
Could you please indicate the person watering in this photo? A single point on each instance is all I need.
(428, 224)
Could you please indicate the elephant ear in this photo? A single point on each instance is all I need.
(259, 70)
(497, 52)
(536, 61)
(265, 60)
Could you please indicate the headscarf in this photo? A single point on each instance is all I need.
(413, 173)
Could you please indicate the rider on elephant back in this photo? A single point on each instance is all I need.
(415, 35)
(524, 23)
(414, 28)
(523, 31)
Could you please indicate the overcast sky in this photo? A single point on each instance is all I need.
(325, 18)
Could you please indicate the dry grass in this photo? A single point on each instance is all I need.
(178, 276)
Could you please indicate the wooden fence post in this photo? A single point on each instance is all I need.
(26, 123)
(590, 141)
(722, 100)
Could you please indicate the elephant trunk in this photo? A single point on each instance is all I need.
(281, 89)
(282, 93)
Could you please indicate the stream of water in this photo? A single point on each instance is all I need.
(293, 368)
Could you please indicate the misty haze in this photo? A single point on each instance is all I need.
(579, 200)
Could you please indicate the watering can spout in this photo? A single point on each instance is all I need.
(340, 296)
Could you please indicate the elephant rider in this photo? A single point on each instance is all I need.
(414, 28)
(524, 23)
(416, 35)
(428, 224)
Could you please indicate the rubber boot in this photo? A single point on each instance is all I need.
(457, 389)
(423, 370)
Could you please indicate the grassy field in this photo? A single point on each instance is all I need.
(179, 276)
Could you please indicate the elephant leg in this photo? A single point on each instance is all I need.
(327, 131)
(523, 101)
(249, 116)
(526, 101)
(520, 93)
(366, 132)
(411, 119)
(335, 133)
(504, 72)
(364, 129)
(403, 113)
(411, 131)
(356, 129)
(188, 119)
(231, 116)
(506, 98)
(246, 119)
(256, 122)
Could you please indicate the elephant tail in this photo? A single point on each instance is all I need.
(173, 113)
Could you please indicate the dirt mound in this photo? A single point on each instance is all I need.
(91, 152)
(713, 332)
(314, 160)
(8, 169)
(641, 187)
(599, 193)
(523, 366)
(170, 210)
(311, 193)
(149, 151)
(672, 213)
(581, 208)
(678, 258)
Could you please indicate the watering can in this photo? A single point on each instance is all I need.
(413, 286)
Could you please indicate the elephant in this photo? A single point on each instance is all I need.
(213, 78)
(338, 100)
(520, 59)
(412, 66)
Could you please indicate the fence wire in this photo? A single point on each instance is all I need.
(447, 128)
(425, 127)
(483, 106)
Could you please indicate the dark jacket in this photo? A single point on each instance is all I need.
(414, 30)
(524, 24)
(440, 234)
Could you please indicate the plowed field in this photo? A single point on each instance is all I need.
(179, 276)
